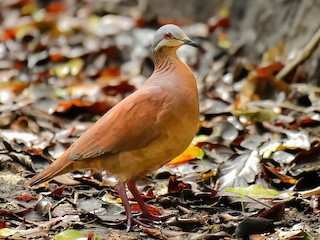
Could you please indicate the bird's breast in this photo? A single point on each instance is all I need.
(176, 124)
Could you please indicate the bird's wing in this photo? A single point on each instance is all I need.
(130, 125)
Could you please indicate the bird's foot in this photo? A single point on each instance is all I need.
(146, 215)
(151, 217)
(134, 220)
(144, 219)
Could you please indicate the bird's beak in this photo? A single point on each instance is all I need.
(190, 42)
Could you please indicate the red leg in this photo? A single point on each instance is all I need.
(145, 212)
(121, 189)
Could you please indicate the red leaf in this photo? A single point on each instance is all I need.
(306, 122)
(123, 87)
(176, 186)
(140, 22)
(58, 191)
(275, 213)
(5, 213)
(136, 208)
(26, 197)
(2, 223)
(149, 194)
(223, 23)
(18, 65)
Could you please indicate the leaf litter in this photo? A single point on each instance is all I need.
(253, 168)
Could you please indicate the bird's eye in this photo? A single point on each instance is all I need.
(167, 36)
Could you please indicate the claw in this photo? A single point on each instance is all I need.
(139, 218)
(152, 217)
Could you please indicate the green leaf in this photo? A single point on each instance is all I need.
(257, 115)
(73, 67)
(70, 234)
(254, 191)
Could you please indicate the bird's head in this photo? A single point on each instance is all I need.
(170, 35)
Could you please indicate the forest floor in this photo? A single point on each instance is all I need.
(252, 171)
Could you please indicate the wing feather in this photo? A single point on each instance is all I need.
(129, 125)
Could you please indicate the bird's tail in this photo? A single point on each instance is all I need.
(60, 166)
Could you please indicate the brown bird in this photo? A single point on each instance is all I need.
(145, 130)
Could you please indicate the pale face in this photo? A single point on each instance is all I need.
(170, 36)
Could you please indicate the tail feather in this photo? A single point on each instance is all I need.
(60, 166)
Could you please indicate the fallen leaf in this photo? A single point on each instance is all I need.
(7, 232)
(257, 115)
(76, 106)
(275, 213)
(306, 160)
(254, 191)
(70, 234)
(136, 208)
(2, 223)
(240, 171)
(72, 67)
(58, 191)
(176, 186)
(56, 7)
(15, 87)
(283, 178)
(192, 152)
(26, 197)
(115, 87)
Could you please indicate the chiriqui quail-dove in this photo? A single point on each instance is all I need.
(145, 130)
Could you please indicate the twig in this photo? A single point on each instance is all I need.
(304, 55)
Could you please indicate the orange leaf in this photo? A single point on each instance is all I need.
(56, 57)
(90, 235)
(111, 72)
(64, 106)
(25, 198)
(190, 153)
(269, 70)
(9, 34)
(56, 7)
(282, 177)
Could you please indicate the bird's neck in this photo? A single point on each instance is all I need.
(165, 59)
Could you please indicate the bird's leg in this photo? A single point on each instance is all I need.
(136, 194)
(145, 211)
(121, 189)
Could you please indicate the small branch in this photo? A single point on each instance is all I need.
(303, 56)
